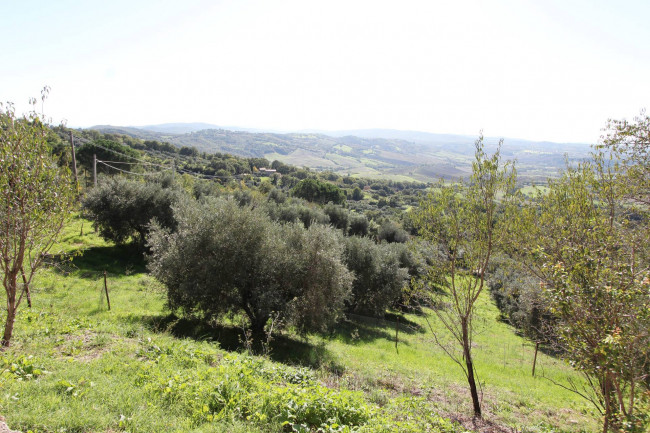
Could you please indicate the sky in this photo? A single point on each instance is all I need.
(542, 70)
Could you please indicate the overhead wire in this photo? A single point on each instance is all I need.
(127, 171)
(141, 161)
(120, 153)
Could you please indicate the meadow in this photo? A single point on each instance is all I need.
(75, 366)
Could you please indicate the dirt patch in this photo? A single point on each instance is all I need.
(4, 428)
(480, 425)
(87, 346)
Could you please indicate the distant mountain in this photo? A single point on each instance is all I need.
(400, 155)
(183, 128)
(178, 128)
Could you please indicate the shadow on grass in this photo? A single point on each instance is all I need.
(282, 348)
(364, 329)
(117, 260)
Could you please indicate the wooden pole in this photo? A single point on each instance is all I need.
(26, 285)
(535, 358)
(74, 162)
(94, 170)
(108, 300)
(397, 335)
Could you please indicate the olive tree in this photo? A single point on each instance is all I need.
(379, 277)
(122, 209)
(224, 258)
(36, 196)
(463, 219)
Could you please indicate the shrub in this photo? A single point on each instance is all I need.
(379, 277)
(358, 225)
(122, 209)
(317, 191)
(339, 217)
(391, 232)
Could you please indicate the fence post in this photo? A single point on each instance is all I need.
(397, 334)
(535, 358)
(108, 300)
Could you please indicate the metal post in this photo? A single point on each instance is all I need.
(94, 170)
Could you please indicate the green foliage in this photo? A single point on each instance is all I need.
(103, 354)
(36, 196)
(227, 258)
(378, 276)
(250, 389)
(318, 191)
(116, 153)
(297, 210)
(391, 232)
(359, 225)
(123, 209)
(357, 194)
(338, 215)
(464, 221)
(18, 368)
(589, 248)
(518, 295)
(629, 142)
(277, 196)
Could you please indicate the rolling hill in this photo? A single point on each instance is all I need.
(398, 155)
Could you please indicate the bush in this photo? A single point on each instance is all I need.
(379, 277)
(122, 209)
(277, 196)
(339, 217)
(519, 298)
(359, 225)
(317, 191)
(391, 232)
(296, 211)
(230, 259)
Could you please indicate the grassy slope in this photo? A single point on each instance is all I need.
(111, 371)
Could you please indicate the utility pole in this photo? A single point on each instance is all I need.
(94, 169)
(74, 162)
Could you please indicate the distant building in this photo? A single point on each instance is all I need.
(267, 171)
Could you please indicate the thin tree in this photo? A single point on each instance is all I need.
(36, 196)
(463, 220)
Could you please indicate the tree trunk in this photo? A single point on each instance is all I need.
(257, 330)
(611, 421)
(11, 310)
(9, 326)
(257, 325)
(467, 353)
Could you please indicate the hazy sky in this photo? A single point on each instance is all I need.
(543, 70)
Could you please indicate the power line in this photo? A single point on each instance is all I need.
(121, 154)
(127, 171)
(176, 156)
(122, 162)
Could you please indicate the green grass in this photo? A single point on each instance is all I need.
(75, 366)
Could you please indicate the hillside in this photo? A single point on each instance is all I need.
(137, 368)
(397, 155)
